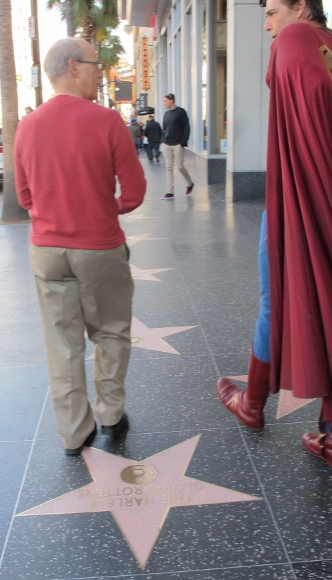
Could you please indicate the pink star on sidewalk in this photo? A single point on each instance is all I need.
(139, 494)
(131, 240)
(139, 274)
(152, 338)
(287, 403)
(133, 217)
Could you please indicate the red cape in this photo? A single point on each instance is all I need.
(299, 210)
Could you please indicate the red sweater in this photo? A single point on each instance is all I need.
(67, 156)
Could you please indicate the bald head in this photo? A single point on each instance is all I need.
(56, 60)
(71, 65)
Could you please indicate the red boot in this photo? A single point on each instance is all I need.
(319, 445)
(248, 405)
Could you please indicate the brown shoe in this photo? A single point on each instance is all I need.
(319, 445)
(236, 401)
(248, 405)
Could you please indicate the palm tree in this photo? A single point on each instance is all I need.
(109, 51)
(11, 212)
(87, 15)
(70, 18)
(67, 13)
(96, 21)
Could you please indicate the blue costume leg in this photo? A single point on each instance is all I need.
(261, 345)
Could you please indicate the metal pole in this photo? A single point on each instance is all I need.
(36, 53)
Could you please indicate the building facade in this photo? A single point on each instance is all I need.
(213, 56)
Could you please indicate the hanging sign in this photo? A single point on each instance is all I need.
(145, 62)
(32, 27)
(154, 26)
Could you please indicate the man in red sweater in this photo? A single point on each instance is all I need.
(67, 156)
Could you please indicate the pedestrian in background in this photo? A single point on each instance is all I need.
(67, 156)
(153, 133)
(292, 347)
(135, 131)
(176, 131)
(141, 142)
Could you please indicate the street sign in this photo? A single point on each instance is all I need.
(143, 100)
(32, 27)
(34, 76)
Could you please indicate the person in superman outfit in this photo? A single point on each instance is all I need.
(292, 347)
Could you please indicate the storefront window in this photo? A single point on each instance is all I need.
(221, 9)
(221, 76)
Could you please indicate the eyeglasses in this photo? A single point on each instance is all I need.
(99, 65)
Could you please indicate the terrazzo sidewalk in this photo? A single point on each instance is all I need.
(189, 493)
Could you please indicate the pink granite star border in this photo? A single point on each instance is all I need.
(147, 275)
(287, 403)
(140, 510)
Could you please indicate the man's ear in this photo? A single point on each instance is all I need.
(301, 9)
(73, 67)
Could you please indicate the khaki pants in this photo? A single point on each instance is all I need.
(78, 290)
(174, 153)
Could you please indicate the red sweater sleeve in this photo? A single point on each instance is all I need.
(22, 189)
(128, 169)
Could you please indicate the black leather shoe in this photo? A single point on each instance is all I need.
(87, 443)
(115, 430)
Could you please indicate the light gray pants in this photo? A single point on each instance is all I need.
(80, 289)
(174, 154)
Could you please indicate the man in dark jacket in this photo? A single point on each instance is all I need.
(176, 132)
(153, 134)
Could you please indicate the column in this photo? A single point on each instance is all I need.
(247, 100)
